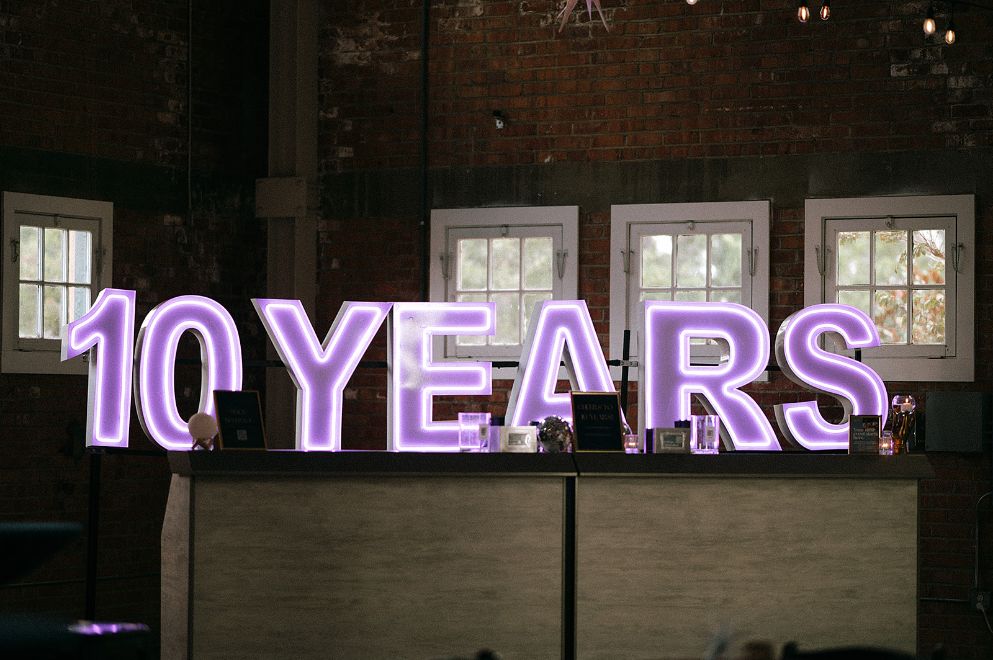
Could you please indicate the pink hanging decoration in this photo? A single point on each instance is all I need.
(571, 4)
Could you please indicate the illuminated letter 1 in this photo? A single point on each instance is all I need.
(320, 371)
(414, 379)
(558, 330)
(108, 329)
(859, 389)
(668, 380)
(158, 339)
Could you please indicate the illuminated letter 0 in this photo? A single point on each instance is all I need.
(108, 329)
(668, 380)
(158, 339)
(320, 371)
(559, 330)
(414, 379)
(859, 389)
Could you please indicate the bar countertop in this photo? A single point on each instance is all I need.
(592, 464)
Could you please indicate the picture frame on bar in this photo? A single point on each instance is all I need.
(597, 421)
(239, 420)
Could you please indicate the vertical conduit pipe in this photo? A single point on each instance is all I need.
(425, 202)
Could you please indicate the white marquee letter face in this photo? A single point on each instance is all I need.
(859, 389)
(559, 330)
(320, 371)
(415, 380)
(108, 329)
(668, 380)
(158, 339)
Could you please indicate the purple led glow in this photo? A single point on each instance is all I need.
(158, 339)
(320, 371)
(108, 329)
(668, 380)
(855, 385)
(560, 330)
(415, 380)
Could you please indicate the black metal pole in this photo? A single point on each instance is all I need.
(92, 536)
(625, 355)
(425, 187)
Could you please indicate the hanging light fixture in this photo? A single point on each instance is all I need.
(950, 32)
(803, 12)
(691, 2)
(825, 10)
(929, 25)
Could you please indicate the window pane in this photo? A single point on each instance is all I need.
(54, 311)
(726, 295)
(505, 264)
(891, 257)
(471, 340)
(79, 301)
(538, 253)
(508, 319)
(30, 253)
(691, 261)
(890, 315)
(79, 257)
(55, 255)
(697, 295)
(29, 311)
(725, 260)
(857, 299)
(528, 308)
(929, 317)
(656, 295)
(929, 256)
(853, 257)
(656, 261)
(472, 264)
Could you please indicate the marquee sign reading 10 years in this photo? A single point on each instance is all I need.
(559, 331)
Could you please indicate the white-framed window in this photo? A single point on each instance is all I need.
(57, 259)
(907, 262)
(707, 251)
(512, 256)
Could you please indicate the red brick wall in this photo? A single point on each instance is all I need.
(94, 105)
(721, 84)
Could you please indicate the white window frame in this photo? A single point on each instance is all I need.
(43, 356)
(629, 219)
(956, 361)
(495, 220)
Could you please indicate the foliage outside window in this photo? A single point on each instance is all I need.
(908, 263)
(715, 251)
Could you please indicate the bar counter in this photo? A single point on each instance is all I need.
(378, 554)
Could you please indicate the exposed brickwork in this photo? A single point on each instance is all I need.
(106, 83)
(718, 80)
(94, 105)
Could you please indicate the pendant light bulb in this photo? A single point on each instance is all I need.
(929, 25)
(825, 10)
(950, 34)
(691, 2)
(803, 12)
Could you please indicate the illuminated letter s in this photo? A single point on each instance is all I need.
(859, 389)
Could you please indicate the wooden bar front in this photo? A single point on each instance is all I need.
(380, 554)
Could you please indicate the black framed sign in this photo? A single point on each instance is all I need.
(596, 421)
(239, 419)
(863, 434)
